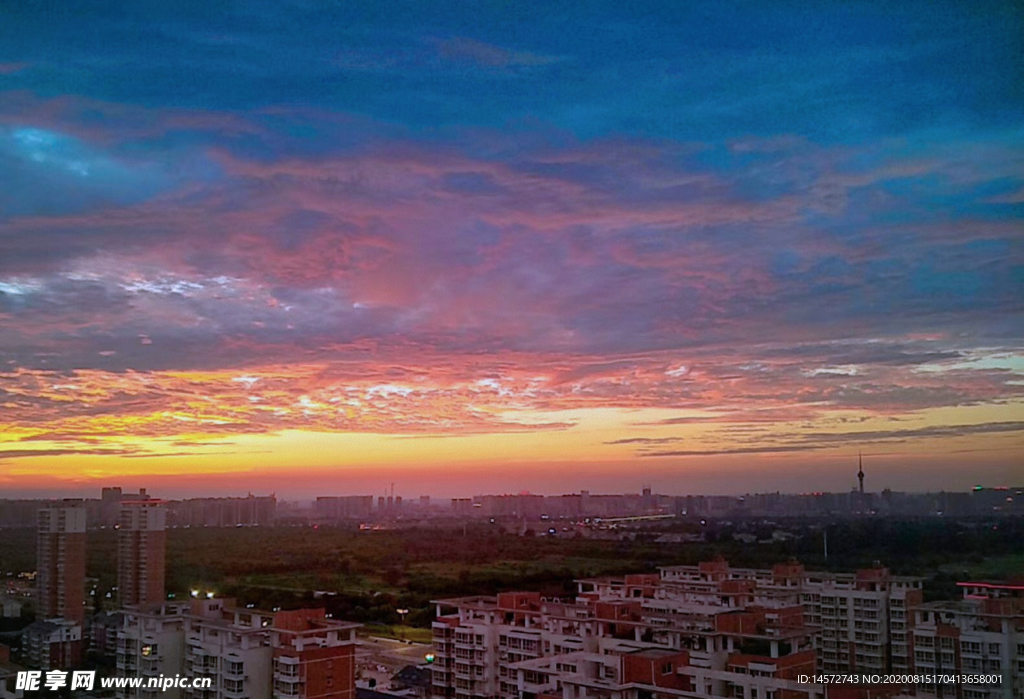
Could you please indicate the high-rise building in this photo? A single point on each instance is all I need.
(140, 552)
(60, 552)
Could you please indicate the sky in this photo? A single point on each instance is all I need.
(322, 247)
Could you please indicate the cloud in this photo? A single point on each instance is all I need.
(824, 440)
(645, 440)
(490, 55)
(463, 229)
(7, 454)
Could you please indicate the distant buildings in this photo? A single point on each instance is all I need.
(194, 512)
(267, 511)
(141, 545)
(250, 511)
(343, 507)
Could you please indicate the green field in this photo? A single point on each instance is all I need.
(402, 633)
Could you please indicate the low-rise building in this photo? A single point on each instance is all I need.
(52, 644)
(245, 653)
(981, 634)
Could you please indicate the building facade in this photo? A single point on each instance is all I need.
(705, 630)
(982, 634)
(245, 653)
(60, 561)
(141, 544)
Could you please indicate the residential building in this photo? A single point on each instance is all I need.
(981, 634)
(314, 657)
(151, 642)
(246, 653)
(860, 618)
(52, 644)
(9, 675)
(60, 561)
(141, 547)
(704, 630)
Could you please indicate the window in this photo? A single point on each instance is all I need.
(666, 669)
(994, 649)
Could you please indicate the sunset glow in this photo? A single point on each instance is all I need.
(256, 253)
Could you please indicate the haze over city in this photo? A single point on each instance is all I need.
(303, 248)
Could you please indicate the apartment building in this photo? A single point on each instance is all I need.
(704, 630)
(246, 653)
(860, 619)
(60, 561)
(52, 644)
(151, 642)
(603, 645)
(141, 544)
(981, 634)
(9, 675)
(314, 657)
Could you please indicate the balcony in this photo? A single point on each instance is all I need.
(285, 690)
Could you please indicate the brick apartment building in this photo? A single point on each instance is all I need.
(141, 542)
(54, 641)
(60, 556)
(710, 630)
(983, 633)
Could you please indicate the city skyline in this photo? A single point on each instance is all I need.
(302, 248)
